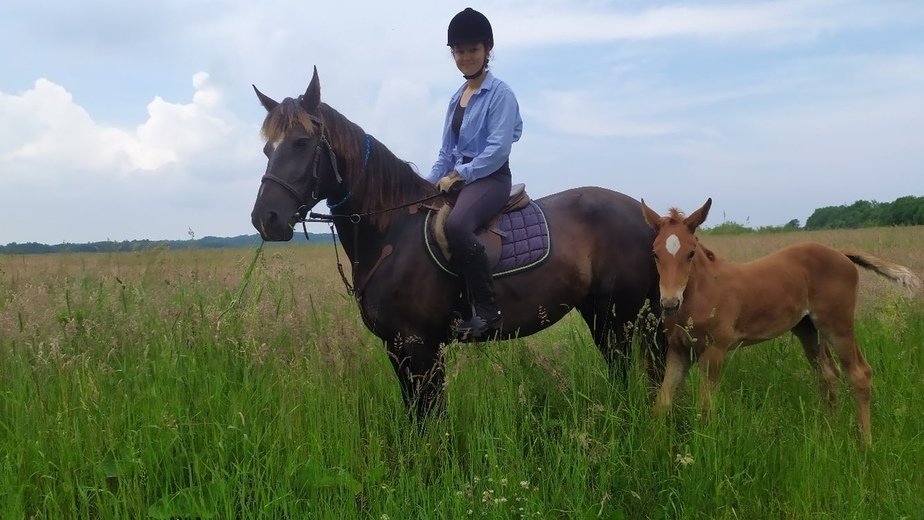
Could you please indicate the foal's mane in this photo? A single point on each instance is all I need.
(384, 182)
(675, 216)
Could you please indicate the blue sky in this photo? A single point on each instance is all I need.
(137, 121)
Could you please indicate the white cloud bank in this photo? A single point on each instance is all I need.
(44, 129)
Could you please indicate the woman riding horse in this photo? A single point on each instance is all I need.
(482, 122)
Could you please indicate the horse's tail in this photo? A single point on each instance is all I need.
(896, 273)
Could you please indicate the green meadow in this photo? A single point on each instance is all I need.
(231, 384)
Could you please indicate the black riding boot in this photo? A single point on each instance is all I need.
(486, 318)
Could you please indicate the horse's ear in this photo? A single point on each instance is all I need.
(699, 216)
(265, 100)
(651, 217)
(312, 97)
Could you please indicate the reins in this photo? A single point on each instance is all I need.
(355, 219)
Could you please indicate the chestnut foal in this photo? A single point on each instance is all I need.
(711, 307)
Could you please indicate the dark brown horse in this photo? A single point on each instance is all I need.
(600, 261)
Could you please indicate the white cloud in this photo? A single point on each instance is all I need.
(676, 100)
(584, 113)
(52, 132)
(542, 24)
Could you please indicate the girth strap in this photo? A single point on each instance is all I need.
(360, 287)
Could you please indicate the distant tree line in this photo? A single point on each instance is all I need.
(144, 245)
(904, 211)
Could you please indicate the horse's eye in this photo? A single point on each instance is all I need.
(655, 256)
(690, 256)
(301, 143)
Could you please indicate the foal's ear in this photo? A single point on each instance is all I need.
(312, 97)
(651, 218)
(268, 103)
(698, 217)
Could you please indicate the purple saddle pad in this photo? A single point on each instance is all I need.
(525, 241)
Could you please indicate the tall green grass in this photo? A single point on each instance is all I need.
(152, 385)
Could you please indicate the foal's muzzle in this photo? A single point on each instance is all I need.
(670, 306)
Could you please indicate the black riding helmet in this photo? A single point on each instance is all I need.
(470, 26)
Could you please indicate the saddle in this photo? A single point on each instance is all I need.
(516, 239)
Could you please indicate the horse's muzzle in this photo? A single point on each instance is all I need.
(272, 227)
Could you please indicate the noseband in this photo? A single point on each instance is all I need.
(299, 197)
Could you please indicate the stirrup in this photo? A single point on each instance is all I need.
(477, 328)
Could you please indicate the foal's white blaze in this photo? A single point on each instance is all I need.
(672, 244)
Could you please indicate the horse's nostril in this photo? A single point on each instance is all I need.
(271, 216)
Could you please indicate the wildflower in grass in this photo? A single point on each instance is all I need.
(524, 484)
(170, 421)
(684, 460)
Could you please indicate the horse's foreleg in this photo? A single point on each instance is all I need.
(419, 368)
(675, 369)
(597, 316)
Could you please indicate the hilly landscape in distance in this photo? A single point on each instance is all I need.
(903, 211)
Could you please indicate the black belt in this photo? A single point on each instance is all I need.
(505, 168)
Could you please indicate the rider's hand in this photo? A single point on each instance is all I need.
(446, 183)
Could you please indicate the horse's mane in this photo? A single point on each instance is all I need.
(384, 182)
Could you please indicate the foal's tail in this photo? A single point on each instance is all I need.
(896, 273)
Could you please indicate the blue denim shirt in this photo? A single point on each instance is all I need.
(490, 126)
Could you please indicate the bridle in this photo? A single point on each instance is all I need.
(299, 197)
(304, 214)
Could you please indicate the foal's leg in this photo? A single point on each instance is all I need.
(819, 357)
(675, 370)
(838, 330)
(710, 364)
(857, 370)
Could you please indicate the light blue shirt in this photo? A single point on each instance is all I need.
(490, 126)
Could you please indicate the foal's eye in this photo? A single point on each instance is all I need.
(690, 256)
(654, 255)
